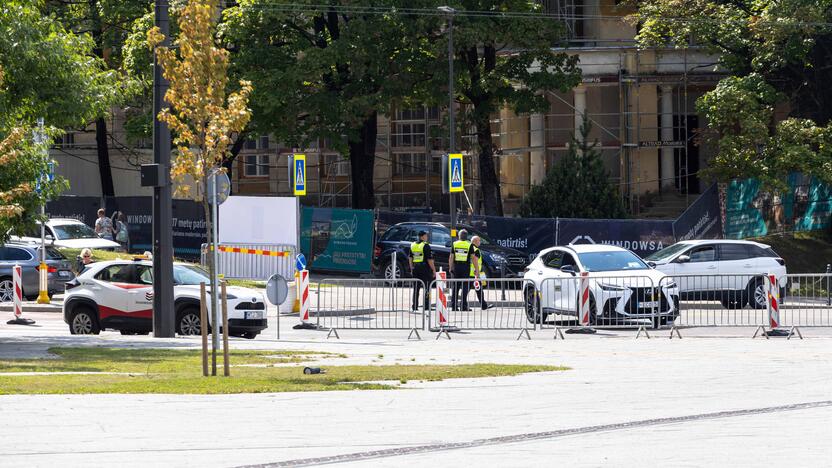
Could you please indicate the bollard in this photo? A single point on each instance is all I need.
(203, 328)
(584, 300)
(304, 324)
(17, 285)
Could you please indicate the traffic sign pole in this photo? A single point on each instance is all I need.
(43, 271)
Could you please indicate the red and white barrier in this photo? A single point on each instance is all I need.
(441, 298)
(304, 296)
(17, 281)
(773, 299)
(584, 300)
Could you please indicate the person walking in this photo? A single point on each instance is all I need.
(104, 225)
(460, 266)
(120, 228)
(475, 256)
(422, 268)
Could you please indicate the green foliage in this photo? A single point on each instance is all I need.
(578, 186)
(772, 116)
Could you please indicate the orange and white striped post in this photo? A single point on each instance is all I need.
(773, 299)
(304, 296)
(584, 300)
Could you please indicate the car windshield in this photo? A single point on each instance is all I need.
(611, 261)
(666, 253)
(73, 231)
(187, 274)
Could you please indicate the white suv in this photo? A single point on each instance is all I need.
(621, 285)
(730, 271)
(69, 233)
(119, 295)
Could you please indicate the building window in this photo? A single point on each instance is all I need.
(257, 165)
(420, 113)
(336, 166)
(409, 164)
(257, 142)
(67, 140)
(409, 135)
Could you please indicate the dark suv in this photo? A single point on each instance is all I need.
(399, 237)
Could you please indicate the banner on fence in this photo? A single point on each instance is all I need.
(337, 239)
(641, 236)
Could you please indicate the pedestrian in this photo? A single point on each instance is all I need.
(104, 226)
(476, 272)
(422, 268)
(84, 259)
(120, 228)
(460, 266)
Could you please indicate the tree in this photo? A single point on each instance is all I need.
(22, 163)
(108, 23)
(326, 72)
(202, 113)
(578, 186)
(772, 115)
(501, 61)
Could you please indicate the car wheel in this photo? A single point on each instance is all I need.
(84, 322)
(533, 312)
(757, 296)
(388, 271)
(189, 322)
(6, 290)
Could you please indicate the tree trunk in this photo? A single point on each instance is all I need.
(104, 171)
(228, 163)
(362, 163)
(492, 199)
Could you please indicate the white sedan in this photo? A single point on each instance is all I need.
(118, 295)
(70, 233)
(621, 285)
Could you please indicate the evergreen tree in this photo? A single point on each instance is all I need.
(578, 186)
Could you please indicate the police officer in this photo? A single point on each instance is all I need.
(422, 267)
(475, 256)
(460, 268)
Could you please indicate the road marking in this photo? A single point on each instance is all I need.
(396, 452)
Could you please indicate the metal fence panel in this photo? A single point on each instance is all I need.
(720, 300)
(369, 304)
(614, 302)
(504, 299)
(251, 266)
(807, 301)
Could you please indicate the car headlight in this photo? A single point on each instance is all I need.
(611, 287)
(497, 258)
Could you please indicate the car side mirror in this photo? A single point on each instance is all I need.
(652, 265)
(568, 269)
(683, 259)
(49, 237)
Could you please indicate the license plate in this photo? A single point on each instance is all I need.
(254, 315)
(63, 274)
(648, 305)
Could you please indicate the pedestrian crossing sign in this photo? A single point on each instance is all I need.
(455, 173)
(300, 175)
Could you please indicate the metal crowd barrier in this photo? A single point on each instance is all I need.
(506, 308)
(368, 304)
(252, 266)
(808, 301)
(720, 300)
(634, 302)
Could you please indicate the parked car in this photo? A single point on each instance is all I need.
(399, 237)
(27, 255)
(621, 285)
(730, 271)
(69, 233)
(118, 295)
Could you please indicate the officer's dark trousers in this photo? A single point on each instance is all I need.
(424, 274)
(460, 273)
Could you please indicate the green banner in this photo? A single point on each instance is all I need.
(751, 212)
(336, 239)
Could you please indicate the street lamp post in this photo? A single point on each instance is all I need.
(451, 126)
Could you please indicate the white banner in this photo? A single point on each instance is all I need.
(259, 220)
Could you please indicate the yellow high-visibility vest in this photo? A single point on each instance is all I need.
(461, 248)
(418, 251)
(478, 253)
